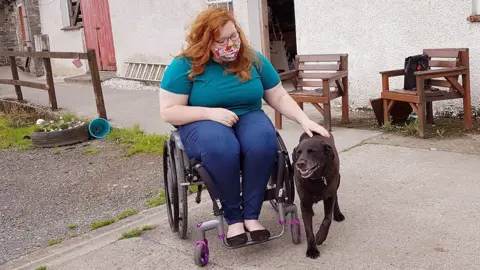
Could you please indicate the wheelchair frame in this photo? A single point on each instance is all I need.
(179, 173)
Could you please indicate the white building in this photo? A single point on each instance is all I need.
(377, 35)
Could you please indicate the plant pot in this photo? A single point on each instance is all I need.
(60, 138)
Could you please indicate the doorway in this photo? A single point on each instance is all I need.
(98, 32)
(281, 34)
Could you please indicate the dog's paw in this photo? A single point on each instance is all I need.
(320, 237)
(313, 253)
(339, 217)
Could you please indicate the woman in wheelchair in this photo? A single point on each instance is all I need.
(213, 93)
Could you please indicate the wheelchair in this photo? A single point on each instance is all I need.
(180, 172)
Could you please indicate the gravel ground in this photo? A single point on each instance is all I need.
(122, 84)
(42, 191)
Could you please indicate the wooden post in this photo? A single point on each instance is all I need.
(345, 105)
(51, 86)
(18, 89)
(467, 99)
(326, 106)
(97, 85)
(421, 106)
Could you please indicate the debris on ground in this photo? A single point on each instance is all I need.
(123, 84)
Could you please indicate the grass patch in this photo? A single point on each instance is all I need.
(91, 150)
(101, 223)
(159, 199)
(445, 127)
(17, 125)
(193, 188)
(72, 226)
(55, 241)
(12, 132)
(408, 129)
(73, 235)
(57, 150)
(127, 213)
(42, 267)
(135, 232)
(136, 141)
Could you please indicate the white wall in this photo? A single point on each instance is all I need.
(379, 34)
(150, 30)
(61, 40)
(154, 31)
(255, 35)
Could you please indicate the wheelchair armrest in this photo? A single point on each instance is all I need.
(178, 140)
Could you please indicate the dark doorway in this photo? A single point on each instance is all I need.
(283, 40)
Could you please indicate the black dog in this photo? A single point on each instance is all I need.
(317, 177)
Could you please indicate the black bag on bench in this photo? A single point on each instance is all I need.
(412, 64)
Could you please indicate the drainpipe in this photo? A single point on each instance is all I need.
(28, 41)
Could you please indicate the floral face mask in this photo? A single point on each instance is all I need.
(228, 53)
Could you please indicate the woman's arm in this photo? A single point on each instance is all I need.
(280, 100)
(174, 109)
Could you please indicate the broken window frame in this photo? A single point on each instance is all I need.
(74, 12)
(228, 4)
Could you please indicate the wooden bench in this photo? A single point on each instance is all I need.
(327, 74)
(439, 83)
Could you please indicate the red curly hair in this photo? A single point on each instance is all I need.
(205, 30)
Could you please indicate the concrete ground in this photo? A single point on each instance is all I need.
(405, 208)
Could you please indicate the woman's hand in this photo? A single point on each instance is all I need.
(309, 126)
(222, 116)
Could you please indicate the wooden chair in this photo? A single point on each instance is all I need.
(449, 64)
(328, 75)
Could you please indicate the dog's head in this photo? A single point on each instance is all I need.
(311, 158)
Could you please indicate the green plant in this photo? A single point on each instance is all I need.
(440, 132)
(57, 125)
(72, 226)
(101, 223)
(73, 235)
(55, 241)
(14, 134)
(136, 141)
(135, 232)
(42, 267)
(91, 150)
(127, 213)
(159, 199)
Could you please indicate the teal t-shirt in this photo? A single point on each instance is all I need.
(216, 88)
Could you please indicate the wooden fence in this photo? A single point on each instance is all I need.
(50, 86)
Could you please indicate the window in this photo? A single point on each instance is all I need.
(228, 4)
(71, 14)
(475, 11)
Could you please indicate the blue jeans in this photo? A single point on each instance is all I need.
(249, 146)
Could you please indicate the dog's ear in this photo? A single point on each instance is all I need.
(294, 154)
(328, 150)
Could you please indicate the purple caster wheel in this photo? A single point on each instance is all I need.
(201, 253)
(295, 230)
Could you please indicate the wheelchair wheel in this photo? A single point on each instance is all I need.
(201, 253)
(183, 194)
(295, 231)
(170, 186)
(288, 185)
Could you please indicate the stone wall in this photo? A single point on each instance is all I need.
(10, 33)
